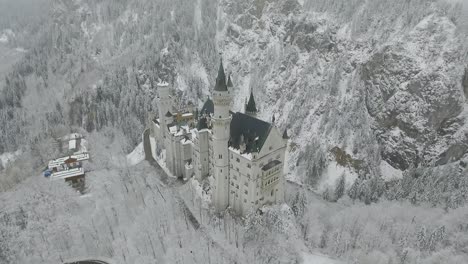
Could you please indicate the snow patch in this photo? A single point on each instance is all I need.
(200, 193)
(137, 155)
(198, 15)
(21, 50)
(308, 258)
(153, 147)
(6, 35)
(388, 172)
(3, 38)
(9, 157)
(332, 174)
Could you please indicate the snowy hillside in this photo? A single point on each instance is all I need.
(385, 87)
(135, 214)
(378, 84)
(373, 94)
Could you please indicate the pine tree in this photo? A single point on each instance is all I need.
(340, 187)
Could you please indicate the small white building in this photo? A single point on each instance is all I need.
(244, 154)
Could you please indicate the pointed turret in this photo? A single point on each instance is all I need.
(251, 107)
(220, 138)
(221, 79)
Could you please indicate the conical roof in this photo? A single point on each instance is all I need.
(208, 107)
(221, 79)
(251, 106)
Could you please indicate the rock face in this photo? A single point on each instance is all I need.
(389, 91)
(412, 94)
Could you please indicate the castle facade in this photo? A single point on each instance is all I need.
(245, 155)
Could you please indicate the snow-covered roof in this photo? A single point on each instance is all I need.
(185, 141)
(237, 151)
(58, 162)
(173, 129)
(162, 84)
(68, 173)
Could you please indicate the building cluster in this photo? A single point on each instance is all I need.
(244, 154)
(69, 167)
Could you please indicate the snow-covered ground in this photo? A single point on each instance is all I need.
(390, 173)
(3, 38)
(332, 174)
(309, 258)
(9, 157)
(137, 155)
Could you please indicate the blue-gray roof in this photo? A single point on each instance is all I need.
(254, 131)
(221, 79)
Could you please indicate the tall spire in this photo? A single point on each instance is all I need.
(251, 107)
(221, 79)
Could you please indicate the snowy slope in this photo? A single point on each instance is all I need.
(388, 89)
(389, 92)
(368, 89)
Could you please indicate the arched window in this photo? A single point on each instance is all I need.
(272, 192)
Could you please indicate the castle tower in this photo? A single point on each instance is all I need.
(164, 105)
(221, 128)
(251, 107)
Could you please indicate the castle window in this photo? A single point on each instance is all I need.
(278, 156)
(271, 147)
(245, 200)
(249, 166)
(237, 169)
(220, 156)
(272, 192)
(237, 159)
(246, 192)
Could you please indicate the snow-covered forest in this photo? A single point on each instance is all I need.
(373, 93)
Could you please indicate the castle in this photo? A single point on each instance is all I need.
(245, 155)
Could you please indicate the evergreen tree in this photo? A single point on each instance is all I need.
(340, 187)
